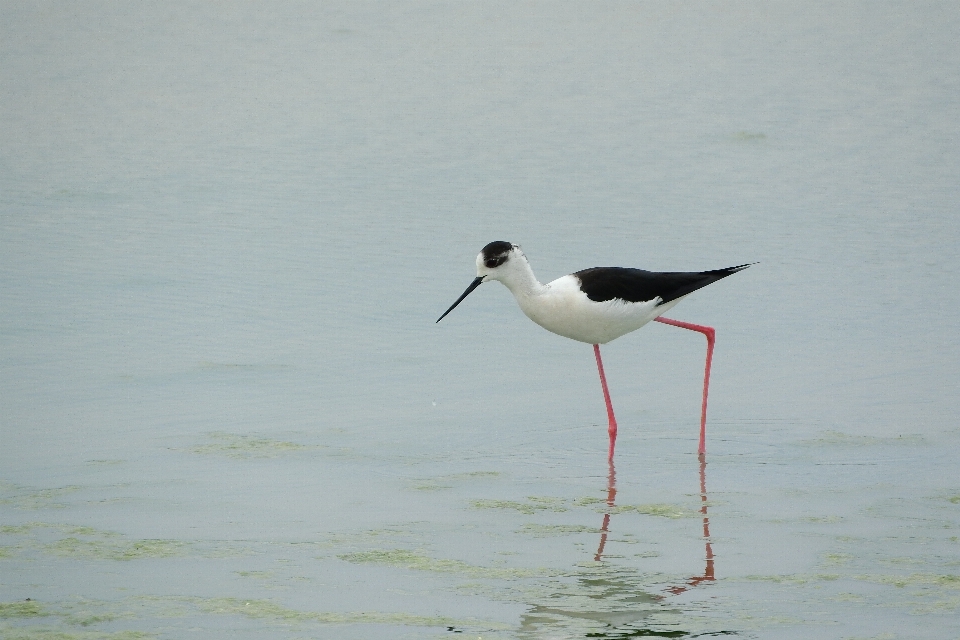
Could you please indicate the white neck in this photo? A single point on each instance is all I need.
(521, 281)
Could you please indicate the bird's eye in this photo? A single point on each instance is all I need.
(491, 264)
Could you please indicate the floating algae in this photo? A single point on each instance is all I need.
(31, 609)
(24, 609)
(72, 541)
(822, 519)
(273, 612)
(922, 580)
(411, 560)
(88, 542)
(110, 549)
(546, 530)
(241, 446)
(91, 612)
(264, 575)
(660, 510)
(795, 579)
(533, 504)
(47, 633)
(837, 558)
(31, 499)
(68, 529)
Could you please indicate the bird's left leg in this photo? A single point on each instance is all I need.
(710, 333)
(612, 428)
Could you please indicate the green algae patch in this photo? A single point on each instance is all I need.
(937, 606)
(271, 611)
(941, 581)
(86, 618)
(370, 538)
(434, 484)
(822, 519)
(954, 499)
(110, 549)
(240, 446)
(411, 560)
(547, 530)
(32, 499)
(535, 504)
(47, 633)
(71, 541)
(588, 501)
(471, 475)
(254, 609)
(74, 617)
(659, 510)
(837, 558)
(30, 527)
(900, 562)
(530, 507)
(795, 579)
(22, 609)
(255, 574)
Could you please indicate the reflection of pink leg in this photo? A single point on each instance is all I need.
(612, 428)
(710, 333)
(708, 573)
(611, 497)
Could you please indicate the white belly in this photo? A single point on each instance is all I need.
(565, 310)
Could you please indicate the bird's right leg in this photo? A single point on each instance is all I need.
(710, 333)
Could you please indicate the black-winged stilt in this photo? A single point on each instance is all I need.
(597, 305)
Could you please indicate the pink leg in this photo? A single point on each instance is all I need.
(710, 333)
(612, 428)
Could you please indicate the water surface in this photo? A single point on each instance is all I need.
(226, 233)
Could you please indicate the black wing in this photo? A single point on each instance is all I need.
(636, 285)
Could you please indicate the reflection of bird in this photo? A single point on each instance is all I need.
(596, 305)
(607, 600)
(610, 601)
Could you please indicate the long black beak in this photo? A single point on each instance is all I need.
(473, 285)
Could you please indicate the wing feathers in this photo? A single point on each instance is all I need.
(636, 285)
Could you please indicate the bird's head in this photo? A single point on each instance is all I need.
(498, 260)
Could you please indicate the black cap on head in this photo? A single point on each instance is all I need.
(495, 253)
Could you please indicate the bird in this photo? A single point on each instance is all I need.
(598, 305)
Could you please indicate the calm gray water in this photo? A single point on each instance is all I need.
(226, 231)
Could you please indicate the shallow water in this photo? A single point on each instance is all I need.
(227, 232)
